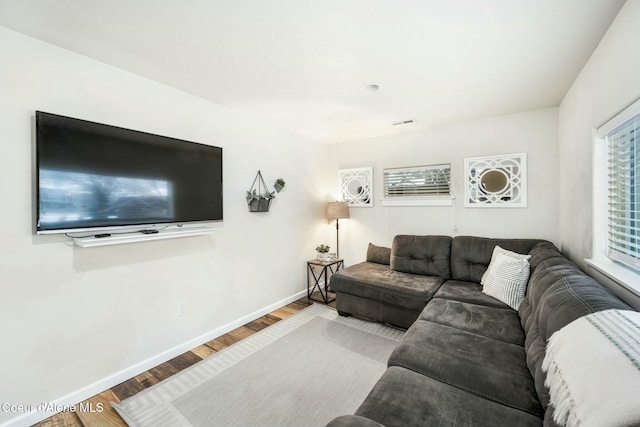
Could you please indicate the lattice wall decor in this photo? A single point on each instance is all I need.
(356, 186)
(496, 181)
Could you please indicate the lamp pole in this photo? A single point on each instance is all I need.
(337, 239)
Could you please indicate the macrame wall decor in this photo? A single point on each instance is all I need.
(259, 197)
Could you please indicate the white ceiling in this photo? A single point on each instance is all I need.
(301, 63)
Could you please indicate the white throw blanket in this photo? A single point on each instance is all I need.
(593, 370)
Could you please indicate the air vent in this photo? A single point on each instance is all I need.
(403, 122)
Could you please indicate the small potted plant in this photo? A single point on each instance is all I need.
(323, 252)
(279, 185)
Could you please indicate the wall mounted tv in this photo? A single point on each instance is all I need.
(94, 177)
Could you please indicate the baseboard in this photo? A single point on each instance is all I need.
(74, 398)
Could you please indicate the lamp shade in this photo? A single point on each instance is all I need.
(337, 210)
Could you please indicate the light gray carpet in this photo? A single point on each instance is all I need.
(302, 371)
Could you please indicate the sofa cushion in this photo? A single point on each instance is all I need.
(378, 282)
(470, 256)
(506, 277)
(378, 254)
(488, 368)
(403, 398)
(498, 251)
(502, 324)
(425, 255)
(377, 311)
(467, 292)
(559, 292)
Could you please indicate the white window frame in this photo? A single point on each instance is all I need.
(436, 200)
(624, 275)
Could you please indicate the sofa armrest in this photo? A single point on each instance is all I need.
(353, 421)
(378, 254)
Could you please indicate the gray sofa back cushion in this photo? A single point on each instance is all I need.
(470, 256)
(558, 293)
(426, 255)
(378, 254)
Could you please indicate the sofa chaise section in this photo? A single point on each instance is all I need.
(394, 285)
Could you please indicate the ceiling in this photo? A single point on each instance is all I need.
(300, 64)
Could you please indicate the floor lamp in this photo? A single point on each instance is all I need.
(337, 211)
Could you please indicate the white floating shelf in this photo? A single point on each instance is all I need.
(116, 239)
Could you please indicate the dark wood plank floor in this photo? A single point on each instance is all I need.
(109, 417)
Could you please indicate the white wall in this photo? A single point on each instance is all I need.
(74, 316)
(608, 83)
(533, 132)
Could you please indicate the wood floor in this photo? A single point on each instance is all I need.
(108, 417)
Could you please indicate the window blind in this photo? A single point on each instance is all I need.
(417, 182)
(623, 193)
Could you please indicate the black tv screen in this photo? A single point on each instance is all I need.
(94, 176)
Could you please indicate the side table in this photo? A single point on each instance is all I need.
(327, 268)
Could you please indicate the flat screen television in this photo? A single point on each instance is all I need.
(93, 177)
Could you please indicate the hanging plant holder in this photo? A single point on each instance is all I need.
(259, 197)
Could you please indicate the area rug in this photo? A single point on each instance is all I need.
(302, 371)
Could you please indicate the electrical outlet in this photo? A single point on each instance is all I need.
(182, 309)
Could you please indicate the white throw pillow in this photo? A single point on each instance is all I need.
(507, 277)
(498, 250)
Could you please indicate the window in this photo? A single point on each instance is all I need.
(418, 186)
(616, 216)
(623, 192)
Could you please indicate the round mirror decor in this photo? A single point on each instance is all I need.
(356, 186)
(496, 181)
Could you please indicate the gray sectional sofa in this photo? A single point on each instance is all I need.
(466, 359)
